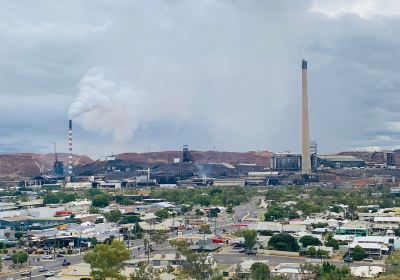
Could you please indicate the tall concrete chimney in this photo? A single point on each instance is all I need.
(70, 148)
(305, 129)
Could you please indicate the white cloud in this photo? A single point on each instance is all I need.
(364, 8)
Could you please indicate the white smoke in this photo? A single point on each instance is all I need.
(103, 106)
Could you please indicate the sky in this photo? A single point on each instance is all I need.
(214, 74)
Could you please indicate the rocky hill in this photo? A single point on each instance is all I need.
(30, 164)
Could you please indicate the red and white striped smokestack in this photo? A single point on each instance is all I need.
(70, 148)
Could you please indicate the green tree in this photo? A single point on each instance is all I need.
(250, 238)
(312, 252)
(197, 265)
(144, 272)
(18, 235)
(185, 209)
(67, 197)
(397, 231)
(159, 237)
(51, 198)
(230, 210)
(283, 242)
(129, 219)
(162, 214)
(106, 261)
(205, 228)
(100, 200)
(114, 216)
(7, 234)
(331, 242)
(198, 212)
(19, 257)
(259, 271)
(94, 210)
(308, 240)
(394, 258)
(358, 253)
(214, 212)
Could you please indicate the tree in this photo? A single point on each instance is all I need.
(259, 271)
(205, 228)
(129, 220)
(7, 234)
(397, 231)
(100, 200)
(214, 212)
(51, 198)
(308, 240)
(94, 210)
(358, 253)
(18, 235)
(19, 257)
(114, 216)
(230, 210)
(144, 272)
(331, 242)
(312, 252)
(283, 242)
(159, 237)
(106, 261)
(250, 238)
(185, 209)
(394, 258)
(162, 214)
(197, 265)
(198, 212)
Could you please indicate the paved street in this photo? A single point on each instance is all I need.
(52, 265)
(137, 248)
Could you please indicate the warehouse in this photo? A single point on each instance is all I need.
(340, 161)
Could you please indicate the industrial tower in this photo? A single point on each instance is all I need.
(305, 129)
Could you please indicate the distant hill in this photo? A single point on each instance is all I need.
(31, 164)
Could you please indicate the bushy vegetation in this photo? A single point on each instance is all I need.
(58, 197)
(310, 200)
(207, 196)
(283, 242)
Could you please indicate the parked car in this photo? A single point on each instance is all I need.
(251, 252)
(26, 273)
(348, 260)
(66, 263)
(49, 274)
(42, 269)
(369, 259)
(6, 257)
(59, 255)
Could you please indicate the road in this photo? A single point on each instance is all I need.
(51, 265)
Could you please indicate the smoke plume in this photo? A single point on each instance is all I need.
(103, 106)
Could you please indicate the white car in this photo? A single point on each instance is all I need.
(49, 274)
(42, 269)
(47, 257)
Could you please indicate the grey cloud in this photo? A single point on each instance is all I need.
(213, 73)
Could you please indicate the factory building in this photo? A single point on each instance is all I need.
(340, 161)
(286, 162)
(389, 158)
(314, 155)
